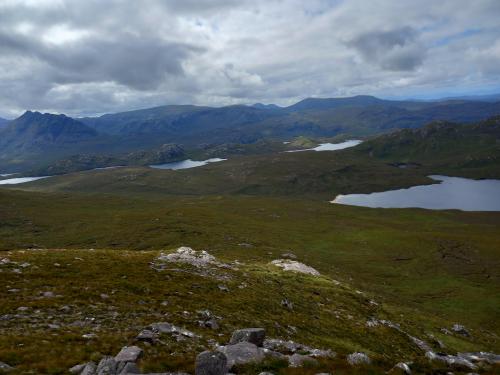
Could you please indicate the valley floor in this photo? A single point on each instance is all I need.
(78, 282)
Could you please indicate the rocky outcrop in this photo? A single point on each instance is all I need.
(211, 363)
(357, 359)
(201, 262)
(151, 333)
(451, 361)
(255, 336)
(241, 353)
(294, 266)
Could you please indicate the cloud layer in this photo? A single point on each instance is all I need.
(90, 57)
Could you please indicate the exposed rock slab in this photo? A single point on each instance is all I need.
(294, 266)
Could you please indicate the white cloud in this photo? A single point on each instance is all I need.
(84, 57)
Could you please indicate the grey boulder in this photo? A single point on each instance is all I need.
(4, 367)
(211, 363)
(107, 366)
(254, 335)
(89, 369)
(298, 360)
(129, 354)
(356, 359)
(241, 353)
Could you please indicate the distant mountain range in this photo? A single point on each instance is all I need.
(36, 138)
(3, 122)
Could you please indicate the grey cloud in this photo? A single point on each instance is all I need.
(129, 54)
(396, 49)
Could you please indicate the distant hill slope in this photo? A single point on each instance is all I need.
(35, 132)
(360, 115)
(442, 146)
(53, 137)
(3, 122)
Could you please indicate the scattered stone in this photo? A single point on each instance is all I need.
(129, 354)
(4, 367)
(298, 360)
(451, 361)
(481, 357)
(48, 295)
(422, 345)
(211, 363)
(163, 327)
(356, 359)
(223, 288)
(210, 323)
(77, 369)
(244, 244)
(23, 308)
(104, 296)
(254, 335)
(294, 266)
(400, 368)
(289, 255)
(287, 304)
(241, 353)
(460, 329)
(147, 335)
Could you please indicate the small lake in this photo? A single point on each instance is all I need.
(451, 193)
(186, 164)
(332, 146)
(20, 180)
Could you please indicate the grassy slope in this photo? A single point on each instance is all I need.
(426, 269)
(313, 174)
(446, 148)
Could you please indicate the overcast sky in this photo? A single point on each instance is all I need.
(85, 57)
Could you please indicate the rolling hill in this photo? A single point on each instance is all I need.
(444, 147)
(34, 140)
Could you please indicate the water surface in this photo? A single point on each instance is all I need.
(332, 146)
(451, 193)
(186, 164)
(20, 180)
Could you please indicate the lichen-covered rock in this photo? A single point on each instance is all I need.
(77, 369)
(451, 361)
(4, 367)
(89, 369)
(294, 266)
(254, 335)
(356, 359)
(107, 366)
(461, 330)
(241, 353)
(129, 354)
(400, 368)
(129, 368)
(211, 363)
(187, 255)
(147, 335)
(298, 360)
(481, 357)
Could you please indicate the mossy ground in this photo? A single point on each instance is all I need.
(425, 270)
